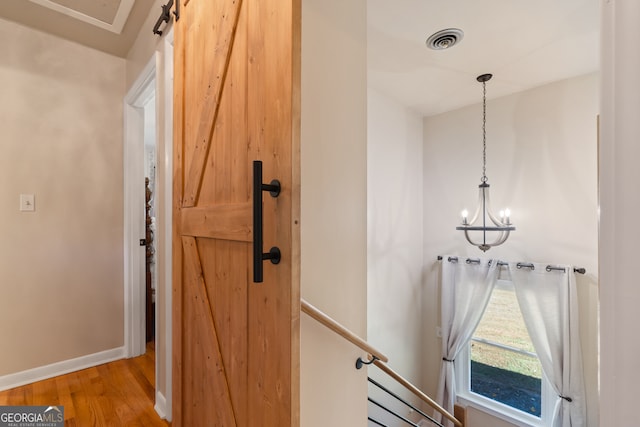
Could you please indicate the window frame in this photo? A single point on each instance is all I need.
(466, 397)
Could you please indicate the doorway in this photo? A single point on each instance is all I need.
(150, 218)
(140, 133)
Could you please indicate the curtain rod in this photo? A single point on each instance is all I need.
(519, 265)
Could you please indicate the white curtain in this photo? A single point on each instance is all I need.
(549, 304)
(466, 289)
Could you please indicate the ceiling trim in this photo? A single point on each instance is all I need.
(118, 22)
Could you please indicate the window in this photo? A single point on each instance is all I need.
(500, 370)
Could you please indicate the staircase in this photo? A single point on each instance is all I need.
(386, 407)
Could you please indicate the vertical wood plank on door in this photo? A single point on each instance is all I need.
(224, 183)
(270, 124)
(296, 76)
(176, 251)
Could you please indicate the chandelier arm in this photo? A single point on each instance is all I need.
(466, 234)
(487, 204)
(487, 197)
(503, 238)
(476, 214)
(496, 221)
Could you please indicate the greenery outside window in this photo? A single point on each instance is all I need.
(499, 370)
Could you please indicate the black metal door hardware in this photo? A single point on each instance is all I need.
(274, 253)
(166, 16)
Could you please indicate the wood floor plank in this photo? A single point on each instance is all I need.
(115, 394)
(64, 394)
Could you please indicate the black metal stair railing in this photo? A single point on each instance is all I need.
(394, 413)
(372, 360)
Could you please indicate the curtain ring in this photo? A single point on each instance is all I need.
(525, 265)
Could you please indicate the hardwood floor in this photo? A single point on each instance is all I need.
(119, 393)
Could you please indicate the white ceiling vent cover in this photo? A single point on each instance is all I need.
(444, 39)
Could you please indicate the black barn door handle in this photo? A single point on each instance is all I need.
(274, 253)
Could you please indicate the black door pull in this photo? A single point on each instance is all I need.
(274, 253)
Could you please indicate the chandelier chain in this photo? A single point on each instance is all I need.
(484, 132)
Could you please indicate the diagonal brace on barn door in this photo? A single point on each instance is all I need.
(217, 382)
(226, 31)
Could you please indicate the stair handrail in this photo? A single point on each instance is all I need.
(375, 356)
(345, 333)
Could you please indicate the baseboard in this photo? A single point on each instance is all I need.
(60, 368)
(161, 405)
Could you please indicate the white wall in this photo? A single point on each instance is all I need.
(394, 257)
(333, 209)
(542, 163)
(619, 206)
(61, 267)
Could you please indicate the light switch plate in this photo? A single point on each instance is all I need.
(27, 203)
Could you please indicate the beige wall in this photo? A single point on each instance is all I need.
(619, 206)
(333, 232)
(542, 163)
(61, 267)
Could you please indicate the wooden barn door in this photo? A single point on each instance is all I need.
(236, 98)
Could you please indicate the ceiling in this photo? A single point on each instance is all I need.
(108, 25)
(523, 43)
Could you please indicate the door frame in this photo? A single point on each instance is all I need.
(156, 77)
(134, 200)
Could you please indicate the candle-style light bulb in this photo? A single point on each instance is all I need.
(464, 214)
(507, 214)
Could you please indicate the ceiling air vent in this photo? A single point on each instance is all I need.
(444, 39)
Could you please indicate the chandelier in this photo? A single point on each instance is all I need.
(487, 221)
